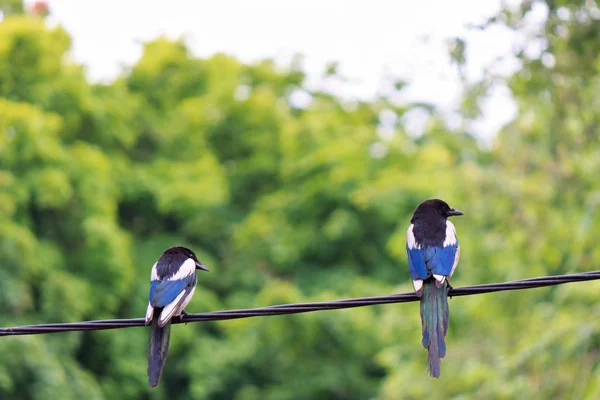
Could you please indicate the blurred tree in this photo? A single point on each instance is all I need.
(292, 195)
(8, 7)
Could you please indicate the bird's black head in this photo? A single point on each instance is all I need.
(180, 250)
(435, 207)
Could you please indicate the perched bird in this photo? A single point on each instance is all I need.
(172, 284)
(433, 253)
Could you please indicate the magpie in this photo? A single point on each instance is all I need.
(433, 253)
(172, 284)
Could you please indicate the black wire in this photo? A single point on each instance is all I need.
(284, 309)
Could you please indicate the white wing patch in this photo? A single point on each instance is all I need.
(439, 280)
(450, 234)
(456, 257)
(187, 268)
(154, 273)
(418, 285)
(169, 310)
(185, 302)
(450, 240)
(149, 313)
(411, 242)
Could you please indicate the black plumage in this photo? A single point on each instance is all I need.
(172, 283)
(433, 252)
(172, 259)
(429, 220)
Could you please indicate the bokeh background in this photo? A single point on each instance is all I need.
(293, 178)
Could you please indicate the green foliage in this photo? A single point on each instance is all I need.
(289, 204)
(11, 6)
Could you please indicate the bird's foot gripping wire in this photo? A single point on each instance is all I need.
(450, 287)
(182, 316)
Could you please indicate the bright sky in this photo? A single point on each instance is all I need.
(370, 39)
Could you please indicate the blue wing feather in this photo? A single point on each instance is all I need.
(416, 264)
(166, 291)
(440, 260)
(153, 285)
(422, 263)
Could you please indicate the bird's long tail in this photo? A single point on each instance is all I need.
(434, 321)
(158, 347)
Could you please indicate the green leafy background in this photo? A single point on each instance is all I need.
(289, 205)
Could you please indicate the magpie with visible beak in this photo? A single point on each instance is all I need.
(433, 254)
(172, 284)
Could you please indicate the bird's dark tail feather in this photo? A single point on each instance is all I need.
(158, 347)
(434, 321)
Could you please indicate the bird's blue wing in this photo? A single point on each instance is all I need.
(416, 263)
(153, 285)
(166, 291)
(440, 260)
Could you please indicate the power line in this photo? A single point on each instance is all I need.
(284, 309)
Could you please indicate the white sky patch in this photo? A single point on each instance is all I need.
(370, 39)
(415, 120)
(548, 60)
(538, 15)
(386, 133)
(563, 13)
(300, 99)
(242, 92)
(378, 150)
(386, 130)
(498, 102)
(535, 48)
(388, 117)
(454, 120)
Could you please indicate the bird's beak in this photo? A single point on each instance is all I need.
(454, 212)
(200, 266)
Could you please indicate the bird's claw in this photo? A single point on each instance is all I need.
(182, 316)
